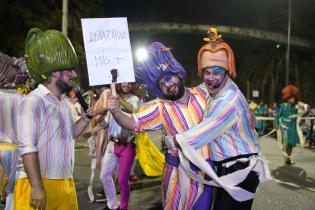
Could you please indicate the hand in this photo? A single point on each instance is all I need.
(176, 142)
(90, 132)
(38, 198)
(113, 104)
(87, 134)
(100, 119)
(86, 116)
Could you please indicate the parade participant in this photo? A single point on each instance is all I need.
(46, 125)
(178, 109)
(13, 75)
(75, 105)
(99, 131)
(227, 128)
(286, 121)
(99, 110)
(120, 152)
(261, 111)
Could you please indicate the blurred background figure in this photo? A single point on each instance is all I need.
(97, 134)
(286, 122)
(261, 110)
(13, 78)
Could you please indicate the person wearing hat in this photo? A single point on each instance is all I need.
(227, 128)
(177, 109)
(46, 125)
(286, 121)
(12, 76)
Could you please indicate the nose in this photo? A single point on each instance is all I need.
(210, 77)
(74, 74)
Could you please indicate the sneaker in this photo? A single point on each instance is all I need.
(133, 178)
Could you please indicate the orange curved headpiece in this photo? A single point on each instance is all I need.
(216, 53)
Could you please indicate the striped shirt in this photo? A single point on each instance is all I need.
(9, 103)
(174, 117)
(227, 127)
(46, 126)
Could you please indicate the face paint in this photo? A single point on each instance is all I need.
(218, 70)
(214, 78)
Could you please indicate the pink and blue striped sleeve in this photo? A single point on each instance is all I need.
(148, 119)
(222, 117)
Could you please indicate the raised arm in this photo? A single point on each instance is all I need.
(123, 119)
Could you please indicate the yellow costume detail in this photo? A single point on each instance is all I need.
(60, 194)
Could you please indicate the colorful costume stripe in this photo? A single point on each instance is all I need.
(227, 127)
(8, 160)
(9, 103)
(45, 126)
(175, 118)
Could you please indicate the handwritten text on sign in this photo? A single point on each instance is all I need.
(107, 47)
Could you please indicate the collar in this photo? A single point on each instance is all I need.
(44, 91)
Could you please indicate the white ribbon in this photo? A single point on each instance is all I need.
(228, 182)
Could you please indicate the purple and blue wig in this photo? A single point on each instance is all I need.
(160, 62)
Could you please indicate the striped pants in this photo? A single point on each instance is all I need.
(195, 196)
(8, 160)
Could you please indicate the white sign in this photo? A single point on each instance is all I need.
(107, 50)
(255, 93)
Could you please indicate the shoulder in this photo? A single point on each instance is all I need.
(233, 93)
(200, 90)
(34, 99)
(151, 104)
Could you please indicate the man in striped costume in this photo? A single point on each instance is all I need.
(11, 72)
(46, 125)
(178, 109)
(228, 129)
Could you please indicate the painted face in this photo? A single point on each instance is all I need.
(66, 80)
(213, 78)
(172, 87)
(126, 87)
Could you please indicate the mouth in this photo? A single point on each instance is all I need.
(213, 86)
(72, 79)
(172, 90)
